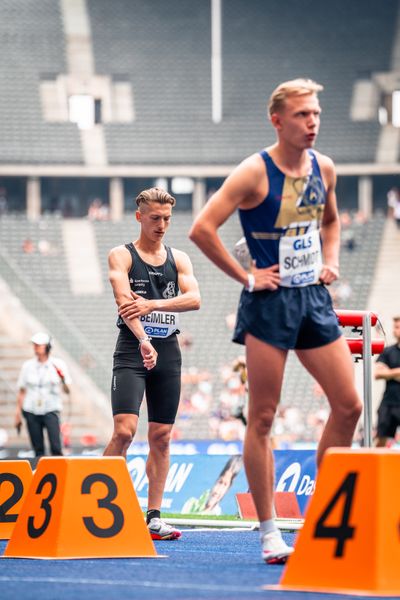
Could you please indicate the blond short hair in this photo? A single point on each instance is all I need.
(294, 87)
(155, 194)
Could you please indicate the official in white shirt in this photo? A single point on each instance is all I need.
(41, 383)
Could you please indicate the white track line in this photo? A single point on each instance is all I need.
(128, 583)
(194, 529)
(284, 524)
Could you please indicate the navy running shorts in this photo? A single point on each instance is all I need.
(288, 318)
(131, 380)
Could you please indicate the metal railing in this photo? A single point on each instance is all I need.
(364, 348)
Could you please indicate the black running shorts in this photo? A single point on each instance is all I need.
(131, 380)
(388, 420)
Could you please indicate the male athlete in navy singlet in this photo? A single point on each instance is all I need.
(286, 200)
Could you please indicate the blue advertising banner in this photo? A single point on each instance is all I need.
(295, 471)
(207, 484)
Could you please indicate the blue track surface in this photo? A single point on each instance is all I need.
(202, 564)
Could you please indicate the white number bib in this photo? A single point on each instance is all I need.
(160, 324)
(300, 259)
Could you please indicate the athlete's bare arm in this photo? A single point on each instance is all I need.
(382, 371)
(119, 264)
(245, 187)
(330, 226)
(188, 299)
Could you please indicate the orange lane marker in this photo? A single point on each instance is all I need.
(80, 508)
(15, 479)
(350, 541)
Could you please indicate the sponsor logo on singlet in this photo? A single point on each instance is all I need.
(159, 332)
(169, 291)
(303, 278)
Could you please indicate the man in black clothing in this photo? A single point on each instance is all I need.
(152, 284)
(388, 368)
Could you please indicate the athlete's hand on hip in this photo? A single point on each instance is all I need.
(329, 274)
(149, 355)
(267, 278)
(137, 307)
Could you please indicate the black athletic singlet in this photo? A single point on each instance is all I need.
(154, 283)
(130, 378)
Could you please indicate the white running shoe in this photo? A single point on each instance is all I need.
(275, 551)
(159, 530)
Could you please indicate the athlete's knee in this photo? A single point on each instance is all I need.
(348, 411)
(159, 438)
(122, 437)
(124, 432)
(262, 421)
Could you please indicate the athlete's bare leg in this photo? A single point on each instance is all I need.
(157, 465)
(265, 367)
(125, 426)
(381, 442)
(332, 367)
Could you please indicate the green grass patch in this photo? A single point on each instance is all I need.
(201, 517)
(166, 515)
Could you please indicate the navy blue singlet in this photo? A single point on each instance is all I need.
(292, 206)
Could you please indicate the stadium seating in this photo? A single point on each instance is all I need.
(32, 37)
(163, 51)
(169, 70)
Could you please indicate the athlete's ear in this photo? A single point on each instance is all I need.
(138, 216)
(276, 120)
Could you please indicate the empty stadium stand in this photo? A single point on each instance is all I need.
(170, 73)
(32, 37)
(163, 51)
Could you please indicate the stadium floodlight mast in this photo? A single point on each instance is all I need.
(216, 60)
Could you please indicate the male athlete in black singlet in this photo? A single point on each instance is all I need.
(287, 205)
(146, 278)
